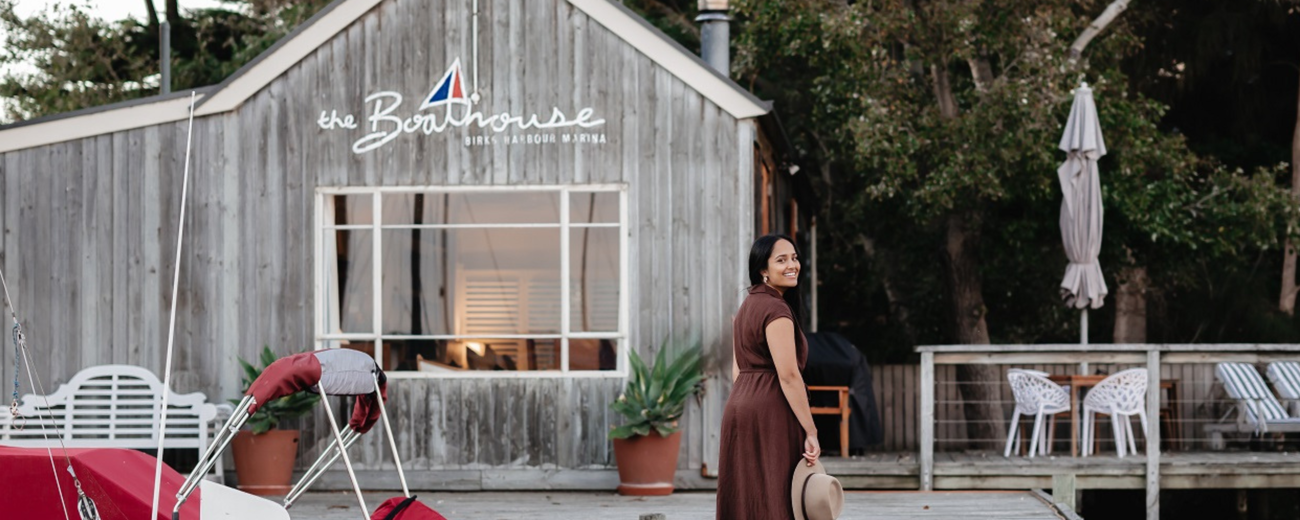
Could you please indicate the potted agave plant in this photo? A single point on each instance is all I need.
(647, 444)
(264, 453)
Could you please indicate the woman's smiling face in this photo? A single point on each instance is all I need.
(783, 266)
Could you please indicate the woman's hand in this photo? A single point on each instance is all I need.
(811, 448)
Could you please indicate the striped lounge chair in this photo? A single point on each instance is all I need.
(1285, 376)
(1257, 409)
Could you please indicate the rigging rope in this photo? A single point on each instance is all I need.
(17, 415)
(171, 327)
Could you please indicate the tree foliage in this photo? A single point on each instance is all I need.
(64, 59)
(862, 86)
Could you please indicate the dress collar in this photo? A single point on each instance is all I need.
(765, 289)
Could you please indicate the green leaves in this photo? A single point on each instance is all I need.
(856, 87)
(656, 396)
(269, 415)
(81, 61)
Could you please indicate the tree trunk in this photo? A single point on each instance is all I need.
(943, 91)
(980, 385)
(153, 14)
(173, 12)
(1131, 306)
(1286, 301)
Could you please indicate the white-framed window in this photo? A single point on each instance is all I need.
(475, 281)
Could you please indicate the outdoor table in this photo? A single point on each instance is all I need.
(1079, 381)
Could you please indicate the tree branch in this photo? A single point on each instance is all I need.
(982, 72)
(943, 91)
(153, 13)
(1112, 11)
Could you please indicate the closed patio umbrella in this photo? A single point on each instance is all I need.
(1081, 211)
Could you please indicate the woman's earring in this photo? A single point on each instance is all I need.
(764, 278)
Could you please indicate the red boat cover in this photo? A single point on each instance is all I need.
(119, 481)
(402, 508)
(337, 374)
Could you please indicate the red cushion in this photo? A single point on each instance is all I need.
(413, 510)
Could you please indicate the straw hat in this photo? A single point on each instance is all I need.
(814, 494)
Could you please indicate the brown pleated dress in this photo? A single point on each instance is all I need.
(761, 438)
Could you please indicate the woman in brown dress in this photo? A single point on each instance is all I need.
(767, 425)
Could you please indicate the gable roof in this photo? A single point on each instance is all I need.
(325, 25)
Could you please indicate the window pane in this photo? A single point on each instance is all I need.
(351, 210)
(501, 207)
(593, 354)
(507, 281)
(352, 281)
(450, 356)
(593, 207)
(593, 279)
(416, 281)
(505, 207)
(415, 208)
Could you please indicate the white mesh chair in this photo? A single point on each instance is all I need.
(1038, 396)
(1121, 396)
(1285, 376)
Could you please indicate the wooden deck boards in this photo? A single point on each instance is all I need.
(875, 505)
(980, 470)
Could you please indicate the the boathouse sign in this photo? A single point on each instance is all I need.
(386, 122)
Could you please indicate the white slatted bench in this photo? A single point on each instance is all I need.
(112, 406)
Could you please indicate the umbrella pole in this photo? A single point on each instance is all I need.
(1083, 339)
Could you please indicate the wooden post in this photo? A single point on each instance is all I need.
(1153, 432)
(927, 421)
(1063, 490)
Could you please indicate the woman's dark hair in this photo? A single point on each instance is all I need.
(759, 254)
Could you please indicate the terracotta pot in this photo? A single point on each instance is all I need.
(264, 463)
(647, 464)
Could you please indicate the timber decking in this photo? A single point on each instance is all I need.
(987, 470)
(876, 505)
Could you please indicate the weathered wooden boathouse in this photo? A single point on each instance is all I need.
(498, 199)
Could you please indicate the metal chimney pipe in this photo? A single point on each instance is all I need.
(715, 34)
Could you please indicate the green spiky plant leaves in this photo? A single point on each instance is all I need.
(656, 396)
(291, 406)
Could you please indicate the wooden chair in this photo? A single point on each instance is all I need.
(841, 410)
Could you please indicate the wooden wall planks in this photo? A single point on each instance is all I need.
(90, 225)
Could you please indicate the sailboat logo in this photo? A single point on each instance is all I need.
(449, 90)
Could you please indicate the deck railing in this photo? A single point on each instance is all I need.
(1160, 360)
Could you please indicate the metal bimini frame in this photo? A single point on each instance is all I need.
(331, 454)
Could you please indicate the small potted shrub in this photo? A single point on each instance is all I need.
(647, 444)
(264, 453)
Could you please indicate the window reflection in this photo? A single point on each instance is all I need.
(453, 296)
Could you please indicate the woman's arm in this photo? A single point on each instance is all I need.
(735, 365)
(780, 339)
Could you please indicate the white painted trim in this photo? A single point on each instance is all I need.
(461, 188)
(98, 123)
(686, 67)
(624, 297)
(274, 63)
(566, 282)
(325, 339)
